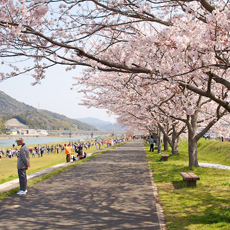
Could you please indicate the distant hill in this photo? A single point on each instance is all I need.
(102, 125)
(34, 118)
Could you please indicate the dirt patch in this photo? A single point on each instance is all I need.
(172, 186)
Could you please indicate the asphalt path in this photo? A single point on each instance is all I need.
(111, 191)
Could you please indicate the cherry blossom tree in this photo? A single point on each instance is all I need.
(221, 129)
(175, 133)
(65, 32)
(132, 97)
(183, 43)
(193, 34)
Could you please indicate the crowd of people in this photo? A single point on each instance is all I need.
(77, 148)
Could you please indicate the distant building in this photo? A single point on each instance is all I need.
(28, 132)
(13, 131)
(41, 132)
(14, 127)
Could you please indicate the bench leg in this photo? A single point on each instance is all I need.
(165, 158)
(191, 183)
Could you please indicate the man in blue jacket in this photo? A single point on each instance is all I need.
(22, 164)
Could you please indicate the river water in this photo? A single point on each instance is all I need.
(41, 140)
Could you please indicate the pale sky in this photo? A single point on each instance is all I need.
(53, 94)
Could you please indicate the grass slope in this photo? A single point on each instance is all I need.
(205, 207)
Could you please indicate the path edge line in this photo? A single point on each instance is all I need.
(160, 212)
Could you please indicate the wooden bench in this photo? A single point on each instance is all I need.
(164, 157)
(190, 178)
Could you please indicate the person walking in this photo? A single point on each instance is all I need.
(42, 150)
(22, 164)
(68, 152)
(151, 141)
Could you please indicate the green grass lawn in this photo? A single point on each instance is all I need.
(8, 167)
(205, 207)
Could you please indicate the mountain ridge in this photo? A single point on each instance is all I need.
(102, 125)
(36, 118)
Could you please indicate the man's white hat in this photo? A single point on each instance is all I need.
(19, 139)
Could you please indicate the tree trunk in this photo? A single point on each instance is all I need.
(175, 142)
(192, 142)
(175, 149)
(175, 138)
(166, 146)
(159, 141)
(193, 160)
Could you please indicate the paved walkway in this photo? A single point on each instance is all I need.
(112, 191)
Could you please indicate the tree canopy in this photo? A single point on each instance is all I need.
(156, 61)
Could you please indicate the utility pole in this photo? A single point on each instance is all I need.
(70, 133)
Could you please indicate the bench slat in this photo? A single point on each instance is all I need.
(185, 176)
(194, 176)
(164, 155)
(189, 176)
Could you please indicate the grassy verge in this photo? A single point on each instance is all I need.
(205, 207)
(55, 172)
(8, 167)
